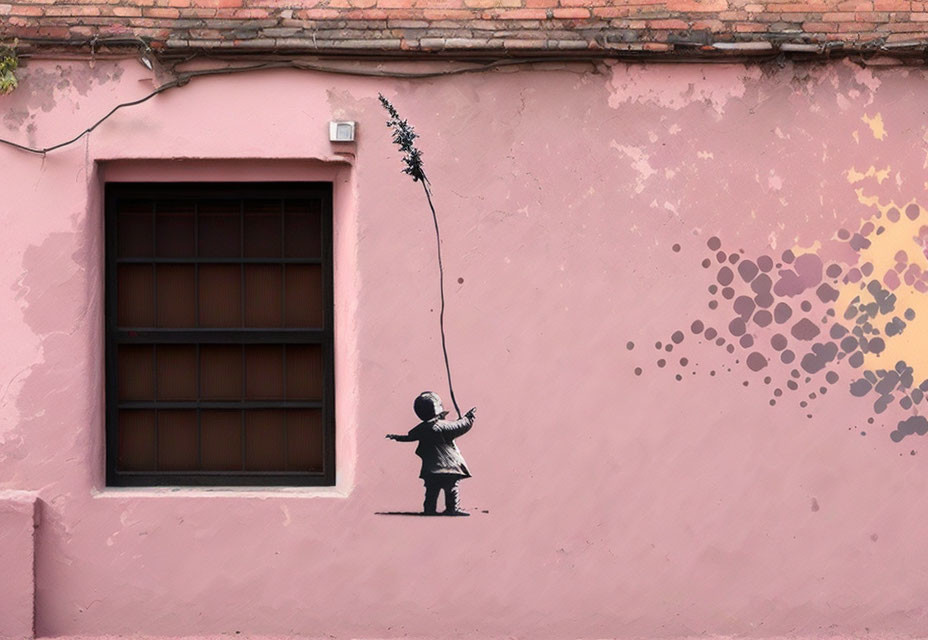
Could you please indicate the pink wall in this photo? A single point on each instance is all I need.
(576, 207)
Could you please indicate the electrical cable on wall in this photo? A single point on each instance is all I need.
(403, 136)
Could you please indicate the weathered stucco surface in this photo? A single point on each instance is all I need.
(577, 205)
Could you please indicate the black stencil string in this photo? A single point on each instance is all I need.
(403, 136)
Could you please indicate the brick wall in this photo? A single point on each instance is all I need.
(515, 26)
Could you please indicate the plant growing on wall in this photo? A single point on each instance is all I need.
(8, 64)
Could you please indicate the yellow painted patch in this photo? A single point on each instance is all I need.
(854, 176)
(876, 125)
(798, 249)
(912, 345)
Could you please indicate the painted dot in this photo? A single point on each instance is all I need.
(763, 318)
(831, 377)
(737, 327)
(806, 306)
(778, 341)
(745, 383)
(910, 314)
(773, 403)
(788, 256)
(733, 258)
(714, 243)
(661, 363)
(792, 385)
(637, 371)
(668, 347)
(460, 280)
(778, 392)
(833, 271)
(676, 248)
(725, 276)
(684, 362)
(746, 341)
(756, 361)
(713, 289)
(728, 293)
(782, 312)
(768, 380)
(787, 356)
(712, 373)
(747, 270)
(658, 344)
(678, 377)
(713, 304)
(720, 256)
(720, 341)
(844, 234)
(765, 263)
(912, 211)
(892, 215)
(706, 263)
(730, 348)
(630, 346)
(803, 404)
(677, 337)
(697, 327)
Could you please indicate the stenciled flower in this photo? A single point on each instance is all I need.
(403, 136)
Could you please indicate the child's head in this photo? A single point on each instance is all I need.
(428, 406)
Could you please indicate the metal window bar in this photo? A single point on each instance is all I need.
(158, 335)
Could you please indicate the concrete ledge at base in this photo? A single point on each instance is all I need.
(18, 520)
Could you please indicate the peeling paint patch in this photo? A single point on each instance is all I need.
(854, 176)
(640, 163)
(876, 125)
(676, 88)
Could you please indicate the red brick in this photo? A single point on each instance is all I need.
(610, 12)
(516, 14)
(26, 10)
(251, 13)
(446, 14)
(572, 13)
(319, 14)
(892, 5)
(161, 12)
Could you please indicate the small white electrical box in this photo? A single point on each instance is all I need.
(341, 131)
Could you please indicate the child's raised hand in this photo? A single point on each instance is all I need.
(472, 413)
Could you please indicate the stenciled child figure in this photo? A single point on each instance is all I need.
(442, 463)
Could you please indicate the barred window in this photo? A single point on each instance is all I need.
(219, 337)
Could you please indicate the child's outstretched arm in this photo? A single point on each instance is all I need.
(401, 438)
(459, 427)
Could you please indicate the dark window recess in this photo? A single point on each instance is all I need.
(219, 347)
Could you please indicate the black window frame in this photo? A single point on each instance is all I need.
(113, 193)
